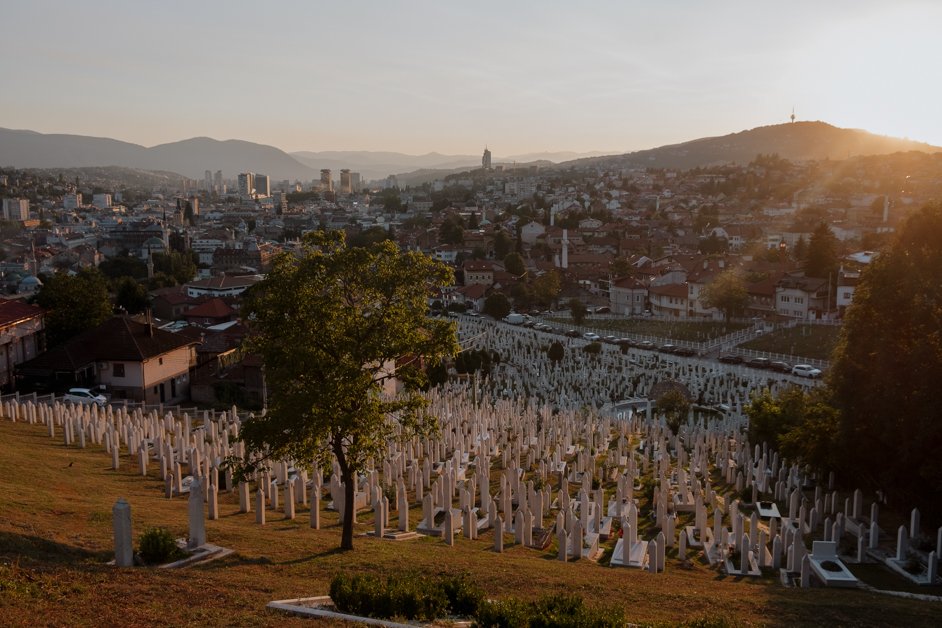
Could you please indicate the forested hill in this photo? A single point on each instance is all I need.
(798, 141)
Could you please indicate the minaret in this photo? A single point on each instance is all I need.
(565, 260)
(886, 208)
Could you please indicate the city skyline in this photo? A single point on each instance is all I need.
(426, 78)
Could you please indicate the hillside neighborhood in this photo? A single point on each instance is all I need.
(787, 239)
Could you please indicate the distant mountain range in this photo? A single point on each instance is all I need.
(795, 141)
(190, 158)
(799, 141)
(378, 165)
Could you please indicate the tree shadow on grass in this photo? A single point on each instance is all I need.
(37, 549)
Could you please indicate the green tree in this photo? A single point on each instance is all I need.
(821, 259)
(545, 288)
(333, 326)
(800, 250)
(73, 304)
(886, 370)
(503, 245)
(556, 352)
(727, 293)
(452, 230)
(513, 262)
(180, 266)
(368, 237)
(123, 266)
(497, 305)
(577, 310)
(621, 267)
(130, 295)
(801, 425)
(674, 405)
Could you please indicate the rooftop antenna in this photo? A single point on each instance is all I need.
(793, 115)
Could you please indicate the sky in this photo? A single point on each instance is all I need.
(451, 77)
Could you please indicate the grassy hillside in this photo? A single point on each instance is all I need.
(55, 538)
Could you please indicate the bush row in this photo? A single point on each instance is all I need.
(417, 597)
(407, 596)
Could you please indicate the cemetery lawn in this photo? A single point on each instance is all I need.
(689, 331)
(56, 538)
(808, 341)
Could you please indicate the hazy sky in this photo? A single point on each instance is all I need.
(451, 77)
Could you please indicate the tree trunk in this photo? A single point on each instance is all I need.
(349, 507)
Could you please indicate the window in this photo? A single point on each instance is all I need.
(118, 369)
(160, 360)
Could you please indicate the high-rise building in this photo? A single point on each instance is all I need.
(208, 181)
(346, 185)
(327, 184)
(16, 209)
(218, 185)
(279, 201)
(246, 184)
(101, 201)
(72, 201)
(486, 159)
(262, 184)
(356, 184)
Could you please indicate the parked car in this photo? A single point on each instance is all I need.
(590, 336)
(85, 396)
(759, 363)
(668, 348)
(685, 351)
(730, 358)
(572, 333)
(623, 342)
(610, 339)
(646, 344)
(781, 367)
(603, 310)
(806, 370)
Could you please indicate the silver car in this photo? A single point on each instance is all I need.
(806, 370)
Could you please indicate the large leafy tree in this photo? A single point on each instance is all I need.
(497, 305)
(73, 304)
(513, 262)
(577, 310)
(887, 367)
(821, 257)
(335, 326)
(727, 293)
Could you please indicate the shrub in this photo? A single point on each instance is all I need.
(157, 546)
(408, 596)
(511, 613)
(547, 612)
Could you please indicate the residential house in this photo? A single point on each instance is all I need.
(21, 337)
(478, 272)
(221, 286)
(134, 360)
(804, 298)
(627, 296)
(669, 300)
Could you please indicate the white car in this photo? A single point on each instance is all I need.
(590, 336)
(85, 396)
(806, 370)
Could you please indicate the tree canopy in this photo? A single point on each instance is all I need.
(497, 305)
(73, 304)
(336, 326)
(513, 262)
(821, 257)
(577, 310)
(727, 293)
(887, 367)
